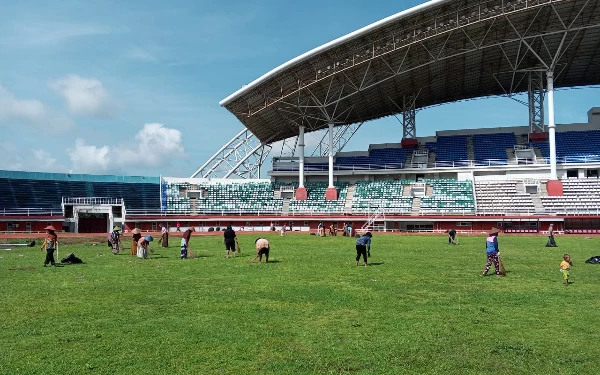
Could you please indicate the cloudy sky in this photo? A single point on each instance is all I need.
(132, 87)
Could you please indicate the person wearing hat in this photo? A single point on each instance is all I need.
(491, 249)
(143, 249)
(137, 234)
(50, 244)
(363, 247)
(115, 240)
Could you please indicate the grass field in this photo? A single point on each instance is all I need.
(421, 308)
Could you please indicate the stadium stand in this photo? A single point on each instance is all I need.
(450, 149)
(448, 196)
(316, 201)
(20, 190)
(492, 147)
(388, 195)
(498, 197)
(217, 197)
(581, 196)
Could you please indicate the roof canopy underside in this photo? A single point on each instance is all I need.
(451, 51)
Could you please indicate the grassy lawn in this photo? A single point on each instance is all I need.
(421, 308)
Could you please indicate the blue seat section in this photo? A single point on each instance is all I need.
(20, 190)
(573, 147)
(578, 146)
(450, 148)
(493, 147)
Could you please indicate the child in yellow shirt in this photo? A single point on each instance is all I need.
(565, 267)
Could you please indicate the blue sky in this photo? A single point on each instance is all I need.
(132, 87)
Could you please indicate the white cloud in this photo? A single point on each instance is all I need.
(89, 158)
(85, 96)
(155, 146)
(44, 34)
(137, 53)
(16, 159)
(14, 111)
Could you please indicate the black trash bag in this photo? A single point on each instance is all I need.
(551, 242)
(71, 259)
(594, 260)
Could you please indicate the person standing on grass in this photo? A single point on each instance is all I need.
(492, 252)
(551, 242)
(164, 236)
(451, 236)
(115, 240)
(184, 252)
(229, 240)
(363, 247)
(262, 248)
(143, 247)
(136, 235)
(50, 244)
(565, 267)
(283, 228)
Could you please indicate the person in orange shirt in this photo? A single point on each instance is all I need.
(565, 267)
(51, 244)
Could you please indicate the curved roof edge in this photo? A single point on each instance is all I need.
(326, 46)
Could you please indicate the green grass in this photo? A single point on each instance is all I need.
(421, 308)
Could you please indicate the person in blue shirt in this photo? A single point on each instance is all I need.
(491, 249)
(363, 246)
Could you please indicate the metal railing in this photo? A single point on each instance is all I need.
(92, 201)
(438, 164)
(31, 212)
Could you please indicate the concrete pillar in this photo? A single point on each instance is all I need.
(301, 193)
(331, 192)
(554, 185)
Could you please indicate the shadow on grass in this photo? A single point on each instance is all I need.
(376, 263)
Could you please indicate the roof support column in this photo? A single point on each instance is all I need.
(301, 193)
(554, 185)
(409, 124)
(331, 192)
(536, 102)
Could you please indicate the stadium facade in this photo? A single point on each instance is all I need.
(468, 179)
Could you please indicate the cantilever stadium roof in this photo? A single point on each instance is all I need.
(441, 51)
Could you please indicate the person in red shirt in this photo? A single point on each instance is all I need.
(51, 244)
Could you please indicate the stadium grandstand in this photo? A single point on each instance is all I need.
(518, 178)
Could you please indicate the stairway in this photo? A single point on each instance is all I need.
(522, 139)
(285, 207)
(428, 190)
(193, 206)
(277, 194)
(406, 191)
(349, 198)
(416, 206)
(431, 160)
(537, 203)
(520, 187)
(470, 149)
(543, 192)
(539, 156)
(510, 155)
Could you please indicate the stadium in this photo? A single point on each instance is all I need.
(423, 304)
(518, 178)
